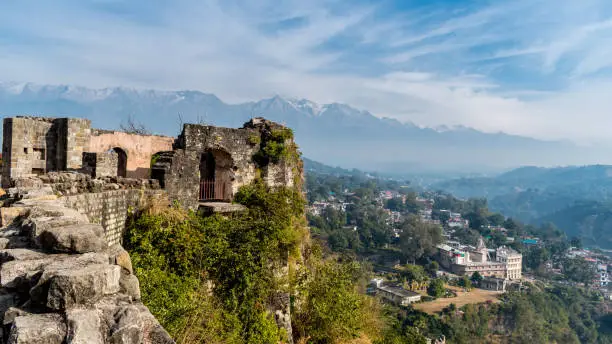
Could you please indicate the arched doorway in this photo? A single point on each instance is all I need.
(216, 175)
(122, 162)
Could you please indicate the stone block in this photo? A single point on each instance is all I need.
(129, 285)
(70, 288)
(81, 238)
(38, 329)
(84, 327)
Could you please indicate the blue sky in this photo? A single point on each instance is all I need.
(540, 68)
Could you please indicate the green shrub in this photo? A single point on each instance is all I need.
(177, 252)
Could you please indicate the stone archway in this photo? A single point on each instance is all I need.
(121, 162)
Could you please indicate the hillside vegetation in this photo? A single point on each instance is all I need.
(578, 200)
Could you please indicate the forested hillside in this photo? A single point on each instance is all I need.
(575, 199)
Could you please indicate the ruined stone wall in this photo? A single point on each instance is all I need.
(178, 173)
(36, 145)
(139, 148)
(234, 153)
(61, 283)
(235, 142)
(78, 132)
(112, 208)
(100, 164)
(29, 146)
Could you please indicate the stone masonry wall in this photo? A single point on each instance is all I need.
(78, 133)
(111, 208)
(235, 142)
(100, 164)
(61, 283)
(29, 145)
(139, 148)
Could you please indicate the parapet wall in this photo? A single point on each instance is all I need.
(60, 280)
(112, 208)
(106, 201)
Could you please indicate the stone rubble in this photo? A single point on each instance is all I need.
(60, 282)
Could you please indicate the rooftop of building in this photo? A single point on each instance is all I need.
(398, 291)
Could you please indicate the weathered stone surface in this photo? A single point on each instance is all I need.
(69, 288)
(11, 314)
(119, 256)
(8, 255)
(9, 214)
(129, 285)
(84, 327)
(129, 326)
(38, 329)
(18, 273)
(80, 238)
(36, 226)
(209, 208)
(62, 263)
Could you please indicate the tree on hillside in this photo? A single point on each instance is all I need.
(418, 238)
(496, 219)
(476, 278)
(436, 288)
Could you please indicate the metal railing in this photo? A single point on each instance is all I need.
(211, 190)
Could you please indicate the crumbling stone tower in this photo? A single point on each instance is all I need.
(211, 163)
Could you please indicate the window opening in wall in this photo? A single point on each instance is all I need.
(39, 153)
(25, 150)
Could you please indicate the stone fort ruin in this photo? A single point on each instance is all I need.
(64, 276)
(204, 163)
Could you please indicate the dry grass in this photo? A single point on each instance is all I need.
(462, 299)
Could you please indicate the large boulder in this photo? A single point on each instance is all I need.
(8, 255)
(19, 273)
(38, 329)
(70, 288)
(81, 238)
(62, 263)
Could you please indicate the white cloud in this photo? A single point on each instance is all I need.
(524, 67)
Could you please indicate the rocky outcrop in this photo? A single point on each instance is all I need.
(60, 282)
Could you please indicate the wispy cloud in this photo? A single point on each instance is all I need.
(531, 67)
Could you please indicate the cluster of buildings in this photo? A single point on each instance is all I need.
(455, 220)
(502, 262)
(602, 264)
(317, 208)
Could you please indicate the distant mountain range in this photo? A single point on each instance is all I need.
(578, 200)
(336, 134)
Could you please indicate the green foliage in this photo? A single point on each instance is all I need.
(476, 278)
(558, 315)
(277, 145)
(254, 139)
(418, 239)
(332, 309)
(176, 252)
(579, 270)
(436, 288)
(415, 273)
(154, 158)
(465, 282)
